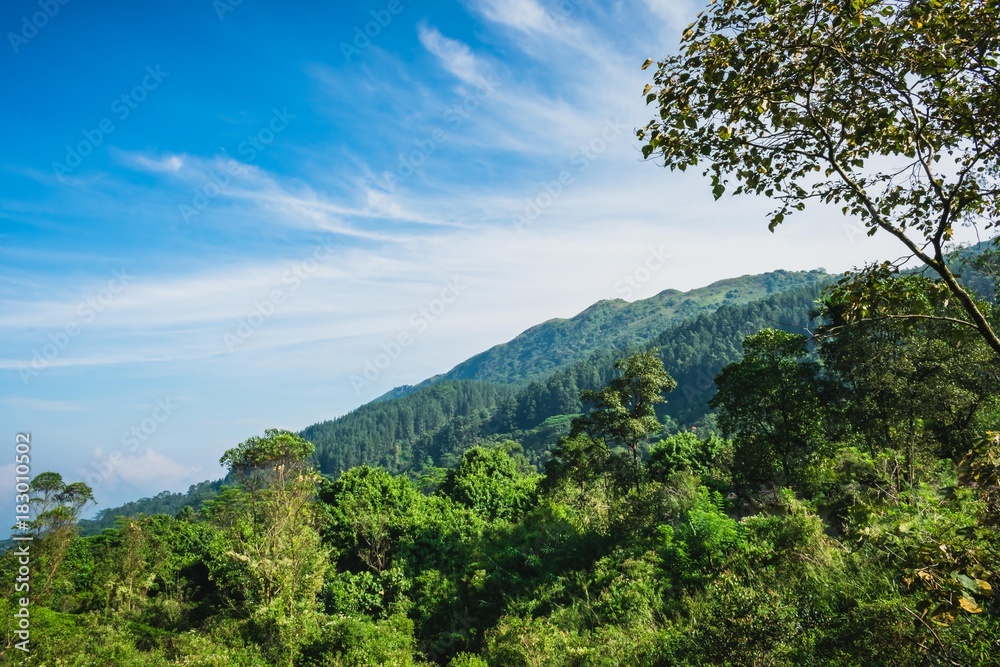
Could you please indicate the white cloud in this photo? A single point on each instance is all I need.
(163, 164)
(455, 56)
(677, 14)
(154, 470)
(524, 15)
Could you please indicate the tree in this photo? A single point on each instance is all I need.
(770, 404)
(270, 555)
(367, 509)
(888, 108)
(625, 410)
(489, 482)
(268, 461)
(707, 457)
(919, 386)
(57, 507)
(577, 458)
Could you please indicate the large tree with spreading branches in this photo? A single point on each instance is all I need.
(889, 109)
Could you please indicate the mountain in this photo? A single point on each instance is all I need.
(505, 393)
(558, 343)
(164, 502)
(385, 433)
(978, 267)
(432, 424)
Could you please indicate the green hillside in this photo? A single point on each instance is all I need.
(845, 500)
(387, 433)
(557, 343)
(416, 428)
(433, 425)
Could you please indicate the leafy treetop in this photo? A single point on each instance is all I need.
(888, 108)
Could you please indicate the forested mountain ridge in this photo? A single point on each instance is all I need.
(164, 502)
(613, 323)
(434, 424)
(412, 428)
(477, 524)
(385, 433)
(852, 493)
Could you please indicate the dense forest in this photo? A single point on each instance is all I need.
(441, 420)
(424, 430)
(417, 429)
(840, 506)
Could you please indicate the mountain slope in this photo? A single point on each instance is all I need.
(558, 343)
(500, 393)
(385, 433)
(428, 424)
(436, 423)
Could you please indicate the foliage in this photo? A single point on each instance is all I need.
(55, 509)
(164, 502)
(397, 433)
(698, 545)
(888, 109)
(579, 459)
(269, 461)
(709, 457)
(923, 385)
(268, 558)
(624, 412)
(488, 482)
(851, 521)
(771, 403)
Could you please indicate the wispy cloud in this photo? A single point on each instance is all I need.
(525, 15)
(162, 164)
(42, 405)
(149, 470)
(455, 56)
(676, 14)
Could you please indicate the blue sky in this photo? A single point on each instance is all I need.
(215, 216)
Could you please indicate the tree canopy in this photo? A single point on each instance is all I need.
(888, 108)
(807, 535)
(624, 412)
